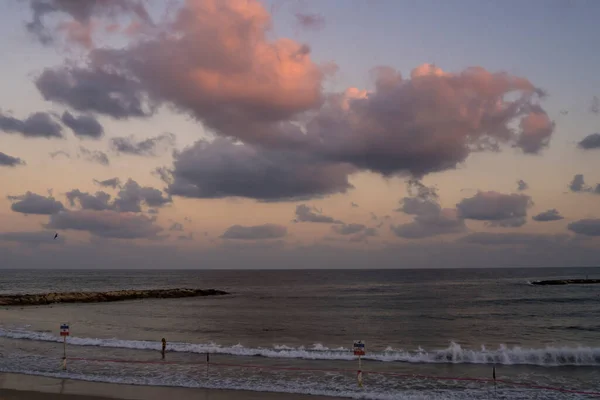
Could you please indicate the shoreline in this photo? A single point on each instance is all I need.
(15, 386)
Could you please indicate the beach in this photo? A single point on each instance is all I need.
(29, 387)
(289, 335)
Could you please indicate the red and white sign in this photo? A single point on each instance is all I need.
(64, 330)
(359, 348)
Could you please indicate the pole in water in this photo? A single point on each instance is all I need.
(359, 374)
(64, 352)
(207, 362)
(494, 376)
(64, 332)
(164, 347)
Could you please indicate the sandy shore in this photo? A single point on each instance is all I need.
(29, 387)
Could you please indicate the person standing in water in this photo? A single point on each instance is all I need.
(164, 347)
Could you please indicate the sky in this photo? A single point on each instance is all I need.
(299, 134)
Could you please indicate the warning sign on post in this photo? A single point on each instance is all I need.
(359, 348)
(64, 330)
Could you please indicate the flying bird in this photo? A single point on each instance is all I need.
(55, 235)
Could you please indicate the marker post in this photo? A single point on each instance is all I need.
(64, 332)
(359, 350)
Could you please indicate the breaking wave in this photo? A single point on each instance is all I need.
(453, 354)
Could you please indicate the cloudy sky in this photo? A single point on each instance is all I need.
(299, 134)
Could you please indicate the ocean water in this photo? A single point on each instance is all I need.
(292, 331)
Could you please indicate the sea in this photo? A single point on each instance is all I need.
(428, 334)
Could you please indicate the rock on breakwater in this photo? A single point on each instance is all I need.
(100, 297)
(567, 282)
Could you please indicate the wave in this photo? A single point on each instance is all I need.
(453, 354)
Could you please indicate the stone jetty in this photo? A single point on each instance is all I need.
(567, 282)
(100, 297)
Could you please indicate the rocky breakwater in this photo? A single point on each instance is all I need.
(567, 282)
(99, 297)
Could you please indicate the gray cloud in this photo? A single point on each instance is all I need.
(591, 141)
(549, 215)
(306, 214)
(257, 232)
(99, 201)
(405, 126)
(32, 203)
(105, 223)
(132, 195)
(94, 156)
(176, 227)
(428, 225)
(94, 90)
(83, 125)
(222, 168)
(586, 227)
(514, 222)
(130, 198)
(55, 154)
(513, 239)
(522, 185)
(348, 229)
(189, 236)
(147, 147)
(310, 21)
(9, 161)
(430, 219)
(504, 210)
(78, 26)
(578, 184)
(112, 182)
(37, 125)
(32, 238)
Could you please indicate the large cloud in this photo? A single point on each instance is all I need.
(37, 125)
(257, 232)
(216, 61)
(586, 227)
(10, 161)
(106, 223)
(99, 201)
(213, 59)
(32, 203)
(505, 210)
(430, 122)
(146, 147)
(83, 125)
(222, 169)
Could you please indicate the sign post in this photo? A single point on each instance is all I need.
(359, 350)
(64, 332)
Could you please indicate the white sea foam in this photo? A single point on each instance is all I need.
(453, 354)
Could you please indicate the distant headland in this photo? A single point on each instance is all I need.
(566, 282)
(100, 297)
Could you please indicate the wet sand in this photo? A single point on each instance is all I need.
(29, 387)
